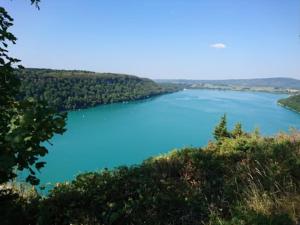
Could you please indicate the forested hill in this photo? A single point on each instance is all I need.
(70, 89)
(292, 102)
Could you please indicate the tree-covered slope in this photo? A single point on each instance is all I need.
(69, 90)
(292, 102)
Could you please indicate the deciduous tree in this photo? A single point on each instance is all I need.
(24, 125)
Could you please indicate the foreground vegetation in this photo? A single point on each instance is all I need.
(24, 123)
(240, 178)
(68, 90)
(292, 102)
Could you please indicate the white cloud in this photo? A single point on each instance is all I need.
(218, 46)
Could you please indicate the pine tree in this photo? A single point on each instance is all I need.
(221, 131)
(237, 131)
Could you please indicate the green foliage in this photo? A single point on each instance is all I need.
(18, 205)
(292, 102)
(221, 131)
(36, 3)
(239, 180)
(24, 124)
(68, 90)
(246, 179)
(31, 124)
(237, 131)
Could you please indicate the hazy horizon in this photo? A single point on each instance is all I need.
(169, 78)
(172, 39)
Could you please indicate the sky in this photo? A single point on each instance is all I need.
(161, 39)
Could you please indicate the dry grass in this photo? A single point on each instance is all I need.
(285, 199)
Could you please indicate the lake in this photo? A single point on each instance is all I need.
(127, 133)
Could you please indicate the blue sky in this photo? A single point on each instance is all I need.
(190, 39)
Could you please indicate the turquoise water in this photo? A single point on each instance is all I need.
(127, 133)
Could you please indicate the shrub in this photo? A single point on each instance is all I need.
(240, 179)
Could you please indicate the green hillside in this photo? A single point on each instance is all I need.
(292, 102)
(68, 90)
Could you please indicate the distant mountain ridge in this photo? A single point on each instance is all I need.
(277, 82)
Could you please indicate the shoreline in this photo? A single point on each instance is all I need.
(288, 108)
(243, 90)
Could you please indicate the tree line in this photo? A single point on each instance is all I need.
(69, 90)
(292, 102)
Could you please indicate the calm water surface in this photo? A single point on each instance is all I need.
(118, 134)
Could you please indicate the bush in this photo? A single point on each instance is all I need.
(239, 179)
